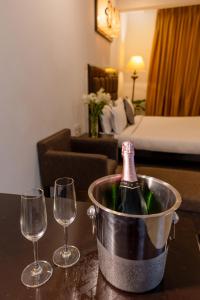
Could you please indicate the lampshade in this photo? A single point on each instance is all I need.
(135, 64)
(110, 70)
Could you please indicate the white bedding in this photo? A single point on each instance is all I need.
(164, 134)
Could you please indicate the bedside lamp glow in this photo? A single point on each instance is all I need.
(135, 64)
(110, 70)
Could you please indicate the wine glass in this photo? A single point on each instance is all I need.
(33, 222)
(65, 213)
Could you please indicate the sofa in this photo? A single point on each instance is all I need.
(84, 159)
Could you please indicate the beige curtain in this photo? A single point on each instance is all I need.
(174, 81)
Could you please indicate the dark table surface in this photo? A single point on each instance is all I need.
(84, 280)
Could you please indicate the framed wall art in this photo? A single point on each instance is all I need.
(107, 19)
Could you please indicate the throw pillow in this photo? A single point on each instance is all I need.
(118, 101)
(105, 119)
(129, 109)
(119, 120)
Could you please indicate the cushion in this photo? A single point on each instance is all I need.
(119, 120)
(117, 102)
(105, 119)
(129, 109)
(60, 141)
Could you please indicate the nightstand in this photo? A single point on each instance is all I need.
(101, 136)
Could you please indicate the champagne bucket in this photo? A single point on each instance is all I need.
(132, 249)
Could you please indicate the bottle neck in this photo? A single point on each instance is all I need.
(129, 173)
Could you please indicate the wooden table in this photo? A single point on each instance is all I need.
(84, 280)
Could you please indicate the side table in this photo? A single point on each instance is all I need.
(101, 135)
(104, 136)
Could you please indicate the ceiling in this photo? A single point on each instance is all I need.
(126, 5)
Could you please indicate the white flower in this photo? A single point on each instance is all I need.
(97, 101)
(99, 97)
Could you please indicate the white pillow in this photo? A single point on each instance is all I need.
(119, 120)
(117, 102)
(105, 118)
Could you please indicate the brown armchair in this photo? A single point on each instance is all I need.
(83, 159)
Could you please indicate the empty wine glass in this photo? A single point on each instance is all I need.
(33, 222)
(64, 214)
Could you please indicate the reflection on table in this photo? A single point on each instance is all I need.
(84, 280)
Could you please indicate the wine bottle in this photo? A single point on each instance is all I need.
(115, 196)
(153, 205)
(132, 200)
(148, 195)
(110, 196)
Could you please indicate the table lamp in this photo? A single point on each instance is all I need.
(135, 64)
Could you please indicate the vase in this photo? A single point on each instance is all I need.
(94, 128)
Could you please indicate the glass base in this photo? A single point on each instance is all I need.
(35, 278)
(65, 259)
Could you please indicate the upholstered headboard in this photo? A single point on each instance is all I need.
(99, 78)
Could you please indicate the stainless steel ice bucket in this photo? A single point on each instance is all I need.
(132, 249)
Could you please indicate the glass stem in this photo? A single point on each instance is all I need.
(36, 268)
(66, 237)
(66, 251)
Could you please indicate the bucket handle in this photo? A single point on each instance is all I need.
(175, 220)
(92, 215)
(91, 212)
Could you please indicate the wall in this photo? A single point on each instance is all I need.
(45, 47)
(136, 39)
(126, 5)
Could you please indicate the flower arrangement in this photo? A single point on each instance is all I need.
(96, 103)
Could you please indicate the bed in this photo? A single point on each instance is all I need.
(174, 140)
(164, 134)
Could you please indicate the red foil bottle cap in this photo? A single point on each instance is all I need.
(127, 147)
